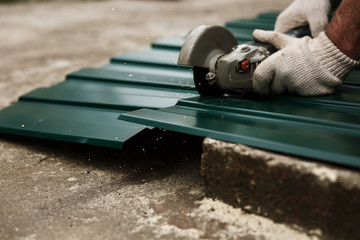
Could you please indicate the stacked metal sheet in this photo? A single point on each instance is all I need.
(108, 105)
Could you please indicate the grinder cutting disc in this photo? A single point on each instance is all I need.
(202, 45)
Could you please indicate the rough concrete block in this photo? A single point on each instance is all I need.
(286, 189)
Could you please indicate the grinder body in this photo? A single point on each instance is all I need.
(220, 64)
(234, 70)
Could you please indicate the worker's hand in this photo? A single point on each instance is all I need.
(305, 66)
(304, 12)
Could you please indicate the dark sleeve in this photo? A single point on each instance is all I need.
(334, 4)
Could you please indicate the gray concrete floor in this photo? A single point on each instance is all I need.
(151, 189)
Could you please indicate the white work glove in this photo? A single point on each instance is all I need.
(305, 66)
(304, 12)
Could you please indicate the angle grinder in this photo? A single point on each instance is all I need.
(220, 64)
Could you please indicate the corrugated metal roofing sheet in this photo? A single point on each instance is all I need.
(325, 128)
(85, 107)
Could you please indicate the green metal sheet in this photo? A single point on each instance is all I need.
(138, 76)
(85, 107)
(68, 123)
(241, 28)
(271, 16)
(153, 57)
(169, 44)
(265, 24)
(353, 78)
(149, 88)
(324, 128)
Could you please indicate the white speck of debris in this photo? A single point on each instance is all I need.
(315, 232)
(325, 173)
(72, 179)
(130, 75)
(61, 63)
(74, 188)
(30, 237)
(91, 220)
(22, 125)
(248, 207)
(195, 191)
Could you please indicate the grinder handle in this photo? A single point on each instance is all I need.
(298, 32)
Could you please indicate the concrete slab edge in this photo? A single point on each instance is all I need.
(285, 189)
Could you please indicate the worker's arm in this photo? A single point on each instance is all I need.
(311, 67)
(344, 29)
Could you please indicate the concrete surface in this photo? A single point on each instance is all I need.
(317, 196)
(152, 188)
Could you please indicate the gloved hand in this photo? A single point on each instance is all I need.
(304, 12)
(305, 66)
